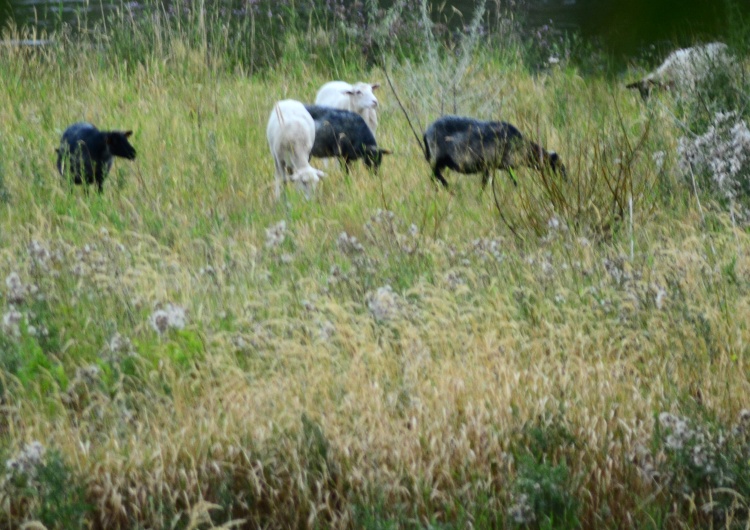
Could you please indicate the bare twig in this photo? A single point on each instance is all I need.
(500, 211)
(403, 109)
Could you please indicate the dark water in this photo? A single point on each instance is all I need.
(626, 26)
(623, 27)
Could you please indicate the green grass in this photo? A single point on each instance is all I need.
(533, 349)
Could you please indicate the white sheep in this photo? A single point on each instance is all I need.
(291, 134)
(683, 68)
(357, 98)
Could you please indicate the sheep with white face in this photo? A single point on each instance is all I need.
(358, 98)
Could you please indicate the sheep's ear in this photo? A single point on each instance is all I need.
(128, 134)
(375, 85)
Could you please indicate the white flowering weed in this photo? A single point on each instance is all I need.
(276, 234)
(720, 157)
(384, 304)
(170, 317)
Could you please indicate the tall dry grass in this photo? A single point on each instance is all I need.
(392, 355)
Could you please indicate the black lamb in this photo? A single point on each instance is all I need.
(343, 134)
(86, 153)
(468, 145)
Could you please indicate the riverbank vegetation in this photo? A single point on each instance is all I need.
(183, 351)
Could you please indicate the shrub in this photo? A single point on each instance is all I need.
(542, 495)
(39, 485)
(705, 462)
(719, 161)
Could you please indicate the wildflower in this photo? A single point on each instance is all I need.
(118, 343)
(208, 270)
(488, 247)
(642, 458)
(349, 244)
(383, 215)
(11, 323)
(661, 294)
(117, 347)
(26, 462)
(239, 342)
(722, 153)
(159, 321)
(88, 375)
(454, 279)
(335, 274)
(172, 316)
(521, 510)
(743, 423)
(40, 255)
(326, 330)
(680, 432)
(383, 304)
(16, 288)
(276, 234)
(701, 458)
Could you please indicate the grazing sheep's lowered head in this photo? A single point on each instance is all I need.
(344, 134)
(86, 152)
(291, 133)
(556, 165)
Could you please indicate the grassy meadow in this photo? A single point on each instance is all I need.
(183, 351)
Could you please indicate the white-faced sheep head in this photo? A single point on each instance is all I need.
(362, 96)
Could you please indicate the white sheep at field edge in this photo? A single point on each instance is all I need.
(685, 67)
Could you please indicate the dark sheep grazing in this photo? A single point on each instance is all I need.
(344, 134)
(468, 145)
(87, 152)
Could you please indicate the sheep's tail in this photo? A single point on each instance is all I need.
(411, 126)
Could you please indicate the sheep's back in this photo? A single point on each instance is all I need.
(339, 132)
(471, 145)
(331, 95)
(82, 133)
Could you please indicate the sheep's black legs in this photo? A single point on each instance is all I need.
(437, 175)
